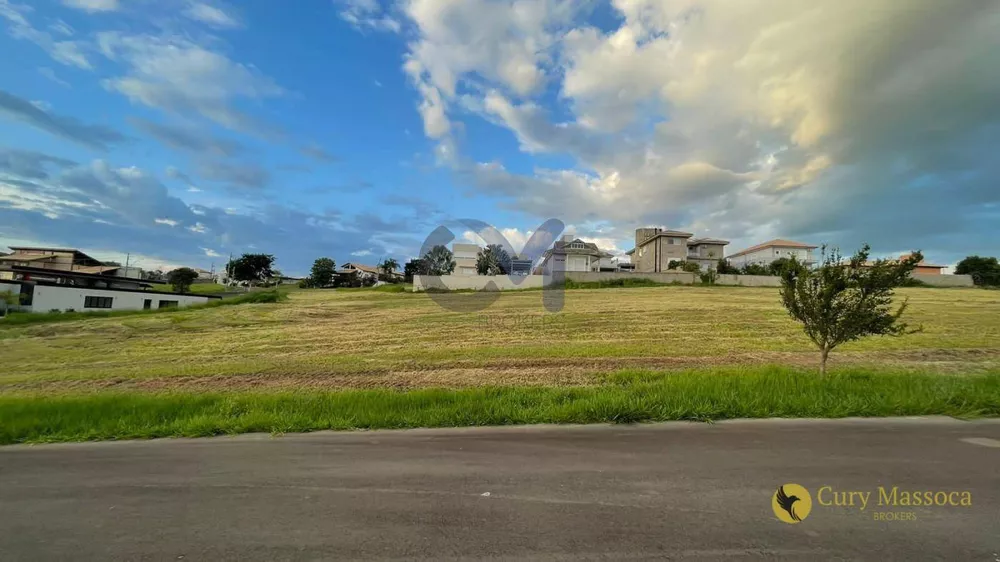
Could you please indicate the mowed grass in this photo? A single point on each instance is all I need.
(624, 397)
(337, 339)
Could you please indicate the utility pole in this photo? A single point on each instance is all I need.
(127, 257)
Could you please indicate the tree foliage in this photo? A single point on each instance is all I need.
(439, 261)
(493, 260)
(321, 274)
(182, 278)
(842, 301)
(414, 267)
(387, 267)
(250, 268)
(723, 267)
(984, 271)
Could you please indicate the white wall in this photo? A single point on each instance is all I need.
(49, 297)
(478, 282)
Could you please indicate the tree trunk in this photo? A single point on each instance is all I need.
(824, 352)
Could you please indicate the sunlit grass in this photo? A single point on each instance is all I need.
(622, 397)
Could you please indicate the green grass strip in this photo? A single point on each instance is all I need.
(625, 397)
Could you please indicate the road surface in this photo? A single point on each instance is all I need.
(684, 491)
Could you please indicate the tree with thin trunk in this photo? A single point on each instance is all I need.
(843, 301)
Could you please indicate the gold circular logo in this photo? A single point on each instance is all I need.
(791, 503)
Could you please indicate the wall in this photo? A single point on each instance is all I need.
(940, 280)
(504, 283)
(665, 278)
(479, 282)
(49, 297)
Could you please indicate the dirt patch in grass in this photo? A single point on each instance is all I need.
(549, 371)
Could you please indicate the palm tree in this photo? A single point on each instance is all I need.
(388, 266)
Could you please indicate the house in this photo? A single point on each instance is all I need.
(465, 258)
(362, 271)
(922, 268)
(62, 279)
(766, 252)
(204, 276)
(655, 248)
(58, 259)
(573, 254)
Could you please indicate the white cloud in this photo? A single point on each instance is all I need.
(211, 15)
(93, 6)
(745, 120)
(211, 253)
(361, 253)
(168, 222)
(197, 228)
(70, 53)
(51, 75)
(176, 75)
(367, 14)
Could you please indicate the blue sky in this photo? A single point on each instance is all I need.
(181, 131)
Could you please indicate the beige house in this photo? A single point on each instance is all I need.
(766, 252)
(574, 254)
(465, 258)
(58, 259)
(655, 248)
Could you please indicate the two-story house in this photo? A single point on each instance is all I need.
(655, 248)
(766, 252)
(573, 254)
(465, 258)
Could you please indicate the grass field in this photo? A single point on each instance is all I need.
(323, 341)
(197, 288)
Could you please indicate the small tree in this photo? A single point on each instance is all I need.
(780, 265)
(250, 268)
(439, 261)
(181, 279)
(839, 302)
(725, 268)
(756, 269)
(414, 267)
(690, 267)
(322, 272)
(493, 260)
(8, 300)
(984, 271)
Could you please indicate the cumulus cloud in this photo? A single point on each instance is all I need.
(174, 74)
(20, 109)
(747, 120)
(99, 205)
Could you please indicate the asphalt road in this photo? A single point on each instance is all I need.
(691, 491)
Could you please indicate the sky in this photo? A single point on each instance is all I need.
(178, 132)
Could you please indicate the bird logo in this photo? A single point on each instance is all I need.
(791, 503)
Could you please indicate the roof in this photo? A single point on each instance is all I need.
(63, 250)
(869, 263)
(715, 241)
(360, 267)
(29, 257)
(77, 273)
(776, 243)
(97, 269)
(589, 249)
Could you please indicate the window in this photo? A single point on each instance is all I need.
(577, 245)
(168, 304)
(147, 304)
(97, 302)
(671, 241)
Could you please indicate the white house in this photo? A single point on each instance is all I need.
(45, 296)
(573, 254)
(766, 252)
